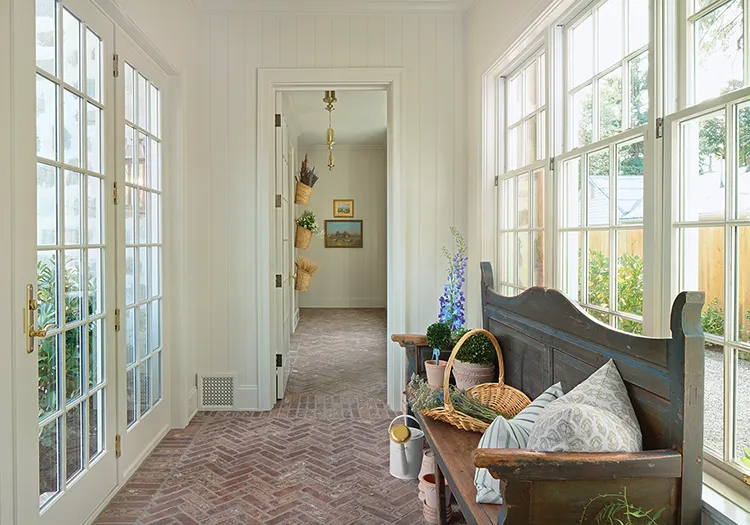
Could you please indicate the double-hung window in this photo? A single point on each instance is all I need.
(521, 195)
(601, 177)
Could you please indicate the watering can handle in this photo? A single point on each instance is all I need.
(404, 416)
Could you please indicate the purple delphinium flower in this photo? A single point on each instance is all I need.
(452, 302)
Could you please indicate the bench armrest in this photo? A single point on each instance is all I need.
(405, 339)
(530, 465)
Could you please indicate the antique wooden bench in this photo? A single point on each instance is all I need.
(545, 339)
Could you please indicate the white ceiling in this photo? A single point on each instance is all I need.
(359, 117)
(337, 6)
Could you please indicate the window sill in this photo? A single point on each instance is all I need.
(722, 505)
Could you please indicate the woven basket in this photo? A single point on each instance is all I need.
(302, 238)
(302, 195)
(302, 283)
(498, 396)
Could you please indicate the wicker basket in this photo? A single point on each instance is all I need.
(497, 396)
(302, 282)
(302, 238)
(302, 195)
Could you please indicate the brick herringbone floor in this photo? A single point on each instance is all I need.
(320, 456)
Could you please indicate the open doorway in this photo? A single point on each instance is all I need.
(345, 300)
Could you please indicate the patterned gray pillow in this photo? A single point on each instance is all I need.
(596, 416)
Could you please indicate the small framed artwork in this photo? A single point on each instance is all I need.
(343, 234)
(343, 207)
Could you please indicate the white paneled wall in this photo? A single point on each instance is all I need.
(232, 47)
(349, 277)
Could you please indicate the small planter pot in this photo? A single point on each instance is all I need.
(428, 491)
(302, 283)
(470, 374)
(435, 373)
(302, 194)
(428, 464)
(302, 238)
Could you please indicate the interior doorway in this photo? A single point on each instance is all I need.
(273, 82)
(338, 146)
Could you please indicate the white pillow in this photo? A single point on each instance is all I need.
(596, 416)
(509, 433)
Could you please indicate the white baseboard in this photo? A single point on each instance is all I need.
(192, 404)
(296, 320)
(247, 398)
(344, 302)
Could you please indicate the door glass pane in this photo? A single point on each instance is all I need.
(94, 284)
(630, 156)
(73, 363)
(156, 374)
(719, 45)
(93, 65)
(630, 271)
(46, 205)
(129, 93)
(155, 271)
(94, 209)
(144, 381)
(702, 268)
(46, 118)
(154, 110)
(142, 208)
(73, 288)
(155, 323)
(610, 33)
(47, 288)
(49, 461)
(155, 170)
(130, 335)
(48, 370)
(129, 275)
(582, 118)
(610, 104)
(154, 219)
(142, 101)
(142, 274)
(703, 168)
(73, 190)
(72, 128)
(46, 35)
(96, 425)
(582, 51)
(131, 393)
(96, 357)
(142, 331)
(71, 29)
(598, 187)
(598, 268)
(713, 397)
(93, 138)
(74, 436)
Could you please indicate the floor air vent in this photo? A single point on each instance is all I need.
(216, 392)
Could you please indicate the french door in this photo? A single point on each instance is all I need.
(66, 464)
(89, 394)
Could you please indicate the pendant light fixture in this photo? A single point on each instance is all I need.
(330, 99)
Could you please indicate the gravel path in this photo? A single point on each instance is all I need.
(714, 402)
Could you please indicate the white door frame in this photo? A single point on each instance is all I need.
(271, 81)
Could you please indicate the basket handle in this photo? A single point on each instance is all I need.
(449, 366)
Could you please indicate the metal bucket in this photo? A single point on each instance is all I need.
(406, 449)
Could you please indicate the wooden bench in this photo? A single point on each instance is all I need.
(547, 339)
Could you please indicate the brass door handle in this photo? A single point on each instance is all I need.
(33, 333)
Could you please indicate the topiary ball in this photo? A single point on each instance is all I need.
(439, 336)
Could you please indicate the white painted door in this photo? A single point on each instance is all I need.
(143, 411)
(65, 390)
(283, 248)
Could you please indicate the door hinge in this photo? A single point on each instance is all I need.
(118, 446)
(278, 201)
(278, 120)
(116, 65)
(117, 319)
(659, 128)
(497, 180)
(552, 164)
(115, 194)
(279, 361)
(278, 280)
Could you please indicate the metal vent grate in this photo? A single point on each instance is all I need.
(217, 392)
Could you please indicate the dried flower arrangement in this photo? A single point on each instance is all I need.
(307, 175)
(307, 265)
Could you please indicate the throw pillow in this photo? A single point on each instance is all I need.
(596, 416)
(509, 433)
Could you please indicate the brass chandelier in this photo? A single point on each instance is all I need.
(330, 99)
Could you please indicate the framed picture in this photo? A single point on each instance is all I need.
(343, 207)
(343, 234)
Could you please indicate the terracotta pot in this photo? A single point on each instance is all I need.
(470, 374)
(428, 492)
(428, 463)
(431, 515)
(302, 238)
(435, 373)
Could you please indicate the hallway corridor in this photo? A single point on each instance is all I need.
(320, 456)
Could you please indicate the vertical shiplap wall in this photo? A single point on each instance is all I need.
(232, 47)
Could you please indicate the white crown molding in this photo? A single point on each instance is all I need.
(341, 7)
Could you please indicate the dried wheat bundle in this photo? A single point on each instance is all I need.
(307, 265)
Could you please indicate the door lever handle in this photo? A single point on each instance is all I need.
(33, 333)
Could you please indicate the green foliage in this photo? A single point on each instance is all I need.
(629, 287)
(439, 336)
(307, 220)
(477, 349)
(598, 272)
(619, 511)
(713, 318)
(745, 459)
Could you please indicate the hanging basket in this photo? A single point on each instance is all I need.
(302, 238)
(498, 396)
(302, 194)
(302, 281)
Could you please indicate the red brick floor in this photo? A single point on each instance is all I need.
(320, 456)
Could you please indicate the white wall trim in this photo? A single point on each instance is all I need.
(247, 397)
(346, 147)
(339, 7)
(192, 403)
(271, 81)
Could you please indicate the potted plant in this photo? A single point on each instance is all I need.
(475, 360)
(439, 338)
(307, 226)
(305, 182)
(306, 268)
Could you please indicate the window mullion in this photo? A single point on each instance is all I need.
(612, 228)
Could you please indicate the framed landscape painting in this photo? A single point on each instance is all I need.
(343, 207)
(343, 234)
